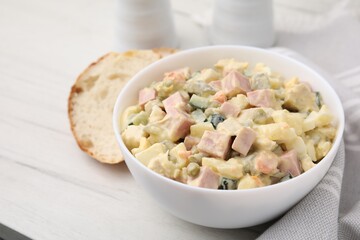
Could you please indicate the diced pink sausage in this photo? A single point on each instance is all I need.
(220, 97)
(262, 98)
(234, 83)
(146, 95)
(266, 162)
(178, 75)
(174, 102)
(229, 109)
(215, 84)
(178, 124)
(205, 179)
(244, 140)
(216, 144)
(191, 141)
(289, 163)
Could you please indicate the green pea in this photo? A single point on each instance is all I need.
(193, 169)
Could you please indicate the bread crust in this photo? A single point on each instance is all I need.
(76, 89)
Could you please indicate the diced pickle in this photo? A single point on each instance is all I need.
(259, 81)
(215, 119)
(198, 116)
(318, 99)
(260, 117)
(140, 118)
(228, 184)
(199, 102)
(199, 87)
(152, 129)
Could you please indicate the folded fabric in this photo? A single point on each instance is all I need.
(322, 213)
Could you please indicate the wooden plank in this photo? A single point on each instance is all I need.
(45, 205)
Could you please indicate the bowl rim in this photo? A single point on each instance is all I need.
(333, 151)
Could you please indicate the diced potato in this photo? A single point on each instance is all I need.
(280, 95)
(231, 126)
(132, 135)
(209, 75)
(263, 143)
(176, 153)
(144, 144)
(309, 122)
(170, 169)
(291, 83)
(182, 176)
(155, 164)
(318, 119)
(164, 88)
(324, 116)
(157, 133)
(295, 120)
(275, 81)
(266, 179)
(256, 115)
(151, 104)
(240, 100)
(229, 169)
(262, 68)
(249, 181)
(126, 116)
(197, 130)
(227, 65)
(322, 149)
(299, 97)
(298, 145)
(311, 149)
(156, 114)
(317, 135)
(211, 162)
(277, 132)
(177, 173)
(329, 132)
(306, 163)
(247, 162)
(163, 166)
(211, 111)
(146, 155)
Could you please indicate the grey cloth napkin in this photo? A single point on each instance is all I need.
(332, 209)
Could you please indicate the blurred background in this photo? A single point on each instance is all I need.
(74, 32)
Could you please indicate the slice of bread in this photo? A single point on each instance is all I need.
(93, 96)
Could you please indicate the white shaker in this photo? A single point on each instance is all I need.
(144, 24)
(243, 22)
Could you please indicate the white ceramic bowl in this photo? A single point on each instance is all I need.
(237, 208)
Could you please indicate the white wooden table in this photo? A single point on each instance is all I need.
(49, 189)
